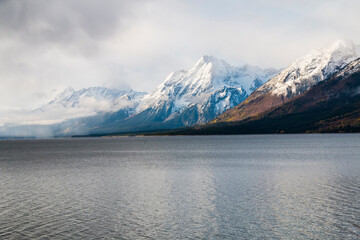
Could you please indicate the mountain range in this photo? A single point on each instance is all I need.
(185, 98)
(300, 76)
(331, 106)
(316, 93)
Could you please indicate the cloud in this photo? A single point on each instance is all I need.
(54, 44)
(64, 22)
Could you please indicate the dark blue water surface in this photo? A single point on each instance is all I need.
(210, 187)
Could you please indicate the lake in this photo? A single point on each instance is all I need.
(181, 187)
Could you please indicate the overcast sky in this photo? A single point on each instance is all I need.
(48, 45)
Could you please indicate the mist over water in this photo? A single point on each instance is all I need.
(222, 187)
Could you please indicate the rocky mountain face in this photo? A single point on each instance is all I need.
(211, 87)
(300, 76)
(192, 97)
(330, 106)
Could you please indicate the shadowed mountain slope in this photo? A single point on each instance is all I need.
(330, 106)
(300, 76)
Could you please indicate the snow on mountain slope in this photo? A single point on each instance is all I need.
(311, 69)
(108, 99)
(300, 76)
(332, 106)
(211, 85)
(87, 102)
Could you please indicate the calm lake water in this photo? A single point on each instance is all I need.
(210, 187)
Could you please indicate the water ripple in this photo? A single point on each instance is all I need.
(224, 187)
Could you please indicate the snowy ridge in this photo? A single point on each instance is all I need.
(351, 68)
(210, 81)
(113, 98)
(311, 69)
(85, 102)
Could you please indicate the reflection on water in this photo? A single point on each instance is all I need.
(224, 187)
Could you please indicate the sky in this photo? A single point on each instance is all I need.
(49, 45)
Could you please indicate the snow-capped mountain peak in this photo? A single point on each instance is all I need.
(72, 103)
(204, 85)
(210, 63)
(312, 68)
(206, 59)
(74, 98)
(343, 45)
(202, 78)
